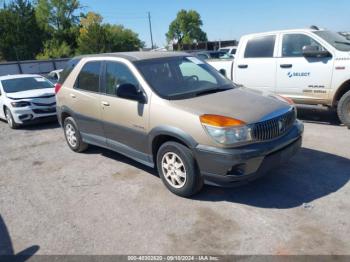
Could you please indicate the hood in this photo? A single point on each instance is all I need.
(36, 93)
(240, 103)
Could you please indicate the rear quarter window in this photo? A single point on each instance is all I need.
(89, 77)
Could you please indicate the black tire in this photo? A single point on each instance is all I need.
(9, 118)
(343, 109)
(79, 145)
(193, 181)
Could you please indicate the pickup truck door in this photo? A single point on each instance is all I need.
(305, 80)
(255, 65)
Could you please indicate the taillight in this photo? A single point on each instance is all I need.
(57, 87)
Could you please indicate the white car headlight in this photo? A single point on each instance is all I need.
(226, 130)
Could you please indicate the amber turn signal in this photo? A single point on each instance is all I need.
(220, 121)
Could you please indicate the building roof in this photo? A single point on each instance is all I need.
(137, 56)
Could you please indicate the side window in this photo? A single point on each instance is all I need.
(260, 47)
(89, 77)
(116, 74)
(292, 45)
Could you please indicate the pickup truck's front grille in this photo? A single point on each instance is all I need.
(274, 127)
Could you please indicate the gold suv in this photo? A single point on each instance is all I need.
(172, 111)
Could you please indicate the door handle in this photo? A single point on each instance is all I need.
(104, 103)
(286, 65)
(243, 66)
(72, 96)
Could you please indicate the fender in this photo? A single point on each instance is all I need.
(173, 132)
(63, 109)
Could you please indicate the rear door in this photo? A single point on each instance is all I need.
(85, 102)
(255, 66)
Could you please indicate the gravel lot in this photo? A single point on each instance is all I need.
(55, 201)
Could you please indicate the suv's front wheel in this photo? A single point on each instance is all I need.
(343, 109)
(73, 136)
(178, 170)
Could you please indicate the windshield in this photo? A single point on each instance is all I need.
(182, 77)
(335, 39)
(24, 84)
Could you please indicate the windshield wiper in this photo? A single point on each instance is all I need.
(340, 42)
(210, 91)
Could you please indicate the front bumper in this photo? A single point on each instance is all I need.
(29, 115)
(234, 166)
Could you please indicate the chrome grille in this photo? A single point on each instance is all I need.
(274, 127)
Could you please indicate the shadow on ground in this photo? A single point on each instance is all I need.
(120, 158)
(318, 115)
(6, 249)
(310, 175)
(42, 125)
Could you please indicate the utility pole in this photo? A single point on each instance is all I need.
(150, 28)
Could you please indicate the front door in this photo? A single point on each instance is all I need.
(125, 121)
(300, 78)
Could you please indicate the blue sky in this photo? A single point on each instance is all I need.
(224, 19)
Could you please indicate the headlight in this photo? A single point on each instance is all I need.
(20, 104)
(226, 130)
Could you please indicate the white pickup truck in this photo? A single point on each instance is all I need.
(310, 66)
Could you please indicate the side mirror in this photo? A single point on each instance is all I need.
(314, 51)
(223, 72)
(131, 92)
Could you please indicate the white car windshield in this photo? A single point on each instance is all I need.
(25, 84)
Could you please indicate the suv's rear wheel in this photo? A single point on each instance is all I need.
(178, 170)
(343, 109)
(73, 136)
(9, 118)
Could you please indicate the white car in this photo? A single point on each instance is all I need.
(231, 50)
(310, 66)
(26, 98)
(54, 76)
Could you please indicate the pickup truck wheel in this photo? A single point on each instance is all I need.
(73, 136)
(343, 109)
(178, 169)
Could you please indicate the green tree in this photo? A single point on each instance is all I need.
(120, 39)
(54, 49)
(96, 37)
(20, 35)
(60, 21)
(186, 28)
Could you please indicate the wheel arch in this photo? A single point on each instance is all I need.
(345, 87)
(163, 134)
